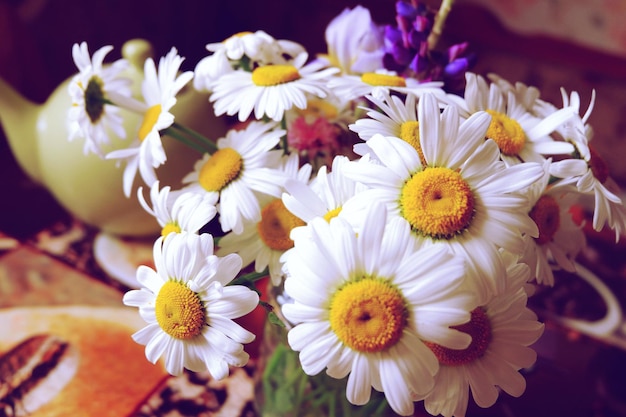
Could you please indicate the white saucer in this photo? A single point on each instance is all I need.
(120, 257)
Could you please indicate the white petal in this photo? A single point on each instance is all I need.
(429, 121)
(316, 355)
(484, 392)
(174, 357)
(146, 334)
(304, 334)
(395, 388)
(234, 302)
(507, 378)
(359, 387)
(302, 313)
(230, 329)
(138, 298)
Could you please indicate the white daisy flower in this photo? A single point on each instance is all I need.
(520, 135)
(242, 50)
(363, 303)
(253, 45)
(527, 96)
(264, 242)
(355, 43)
(270, 90)
(381, 81)
(387, 117)
(391, 116)
(258, 47)
(594, 180)
(560, 240)
(210, 69)
(243, 168)
(93, 92)
(461, 195)
(159, 92)
(178, 211)
(502, 331)
(577, 130)
(589, 172)
(190, 308)
(324, 196)
(572, 101)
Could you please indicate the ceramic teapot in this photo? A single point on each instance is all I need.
(88, 187)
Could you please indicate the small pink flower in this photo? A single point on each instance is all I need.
(314, 139)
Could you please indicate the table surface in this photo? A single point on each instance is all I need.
(46, 260)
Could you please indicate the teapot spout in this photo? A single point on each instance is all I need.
(18, 118)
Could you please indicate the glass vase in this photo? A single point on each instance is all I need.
(283, 389)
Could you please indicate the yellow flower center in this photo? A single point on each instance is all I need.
(479, 327)
(546, 215)
(368, 314)
(317, 108)
(276, 224)
(239, 35)
(179, 311)
(437, 202)
(149, 120)
(94, 99)
(270, 75)
(599, 168)
(409, 132)
(170, 227)
(506, 132)
(386, 80)
(220, 169)
(331, 214)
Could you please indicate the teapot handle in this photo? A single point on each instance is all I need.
(611, 327)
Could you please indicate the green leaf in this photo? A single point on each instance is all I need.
(274, 319)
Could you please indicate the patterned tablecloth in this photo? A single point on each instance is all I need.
(51, 283)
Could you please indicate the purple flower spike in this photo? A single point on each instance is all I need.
(392, 35)
(390, 63)
(402, 55)
(417, 38)
(422, 24)
(406, 10)
(420, 64)
(407, 53)
(456, 68)
(458, 50)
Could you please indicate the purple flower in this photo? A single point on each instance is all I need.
(407, 51)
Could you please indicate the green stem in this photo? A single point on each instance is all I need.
(440, 19)
(176, 135)
(283, 125)
(553, 179)
(209, 144)
(251, 277)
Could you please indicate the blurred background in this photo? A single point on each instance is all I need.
(576, 44)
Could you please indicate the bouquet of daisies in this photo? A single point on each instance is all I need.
(403, 204)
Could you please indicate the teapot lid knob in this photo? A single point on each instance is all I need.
(136, 51)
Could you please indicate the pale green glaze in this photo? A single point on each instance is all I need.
(89, 187)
